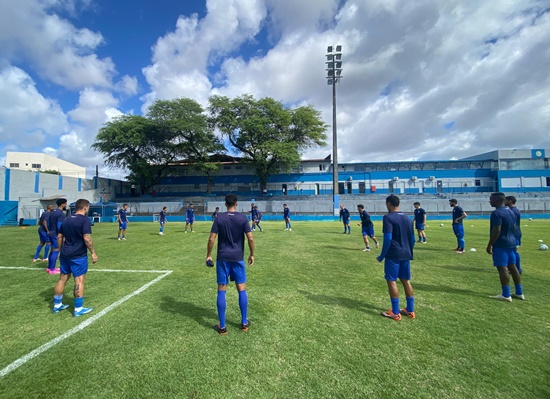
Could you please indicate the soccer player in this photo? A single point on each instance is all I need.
(344, 218)
(257, 218)
(511, 203)
(253, 217)
(54, 223)
(367, 227)
(502, 245)
(215, 214)
(75, 239)
(458, 226)
(43, 234)
(286, 216)
(162, 220)
(189, 218)
(122, 222)
(397, 252)
(231, 227)
(420, 222)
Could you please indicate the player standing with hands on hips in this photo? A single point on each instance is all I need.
(75, 239)
(230, 227)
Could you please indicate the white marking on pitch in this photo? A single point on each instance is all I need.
(31, 355)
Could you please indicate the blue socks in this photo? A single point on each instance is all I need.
(222, 304)
(506, 291)
(57, 299)
(38, 249)
(78, 302)
(519, 289)
(410, 303)
(395, 305)
(243, 305)
(47, 251)
(52, 259)
(161, 229)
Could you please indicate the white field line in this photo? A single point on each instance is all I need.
(31, 355)
(90, 270)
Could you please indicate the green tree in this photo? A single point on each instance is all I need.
(266, 133)
(147, 145)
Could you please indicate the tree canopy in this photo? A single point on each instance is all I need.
(146, 145)
(266, 133)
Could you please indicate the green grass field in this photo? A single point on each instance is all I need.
(316, 331)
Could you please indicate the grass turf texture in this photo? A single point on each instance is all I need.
(315, 300)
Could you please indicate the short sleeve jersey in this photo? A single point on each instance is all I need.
(73, 229)
(505, 218)
(43, 218)
(254, 214)
(517, 214)
(214, 215)
(231, 228)
(162, 216)
(457, 212)
(190, 214)
(55, 220)
(419, 215)
(365, 219)
(400, 226)
(258, 215)
(286, 212)
(122, 214)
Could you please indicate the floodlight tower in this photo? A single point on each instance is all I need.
(334, 74)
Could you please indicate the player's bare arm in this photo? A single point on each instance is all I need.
(251, 246)
(90, 245)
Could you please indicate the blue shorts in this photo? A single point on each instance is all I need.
(458, 229)
(234, 271)
(394, 269)
(368, 231)
(345, 221)
(190, 221)
(78, 266)
(44, 237)
(122, 226)
(504, 257)
(419, 226)
(53, 241)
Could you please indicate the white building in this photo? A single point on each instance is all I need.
(40, 162)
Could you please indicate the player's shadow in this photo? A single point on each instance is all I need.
(203, 316)
(349, 303)
(446, 289)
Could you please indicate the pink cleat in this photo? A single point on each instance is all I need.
(54, 271)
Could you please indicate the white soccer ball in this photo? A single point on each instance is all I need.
(473, 250)
(543, 247)
(442, 225)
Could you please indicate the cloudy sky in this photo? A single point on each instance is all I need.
(423, 79)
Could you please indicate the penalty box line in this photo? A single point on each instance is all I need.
(43, 348)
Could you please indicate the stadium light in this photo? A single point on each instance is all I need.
(334, 74)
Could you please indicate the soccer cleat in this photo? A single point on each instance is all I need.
(54, 271)
(366, 250)
(124, 238)
(376, 244)
(59, 308)
(119, 238)
(390, 315)
(290, 229)
(161, 233)
(192, 231)
(519, 296)
(221, 331)
(185, 231)
(502, 298)
(410, 315)
(460, 251)
(423, 242)
(45, 260)
(82, 312)
(245, 327)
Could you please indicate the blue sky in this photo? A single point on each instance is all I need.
(422, 80)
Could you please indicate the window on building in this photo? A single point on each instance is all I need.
(14, 165)
(477, 183)
(321, 167)
(547, 181)
(227, 167)
(36, 166)
(238, 166)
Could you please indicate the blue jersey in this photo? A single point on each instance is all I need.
(162, 217)
(43, 218)
(122, 215)
(419, 215)
(215, 215)
(55, 220)
(517, 214)
(344, 214)
(505, 218)
(73, 229)
(258, 216)
(400, 226)
(286, 212)
(231, 228)
(365, 219)
(190, 214)
(254, 214)
(457, 212)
